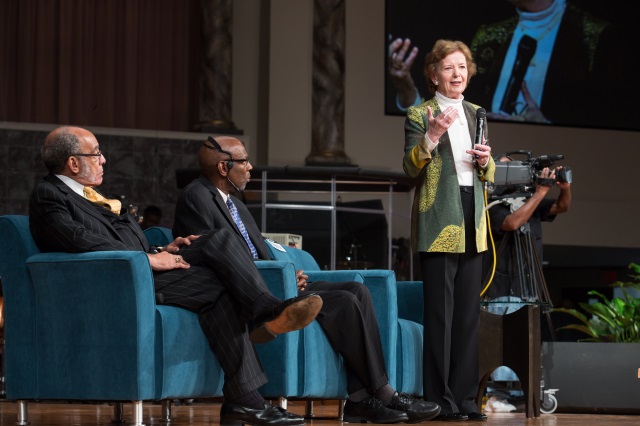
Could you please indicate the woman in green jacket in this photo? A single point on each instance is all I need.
(449, 226)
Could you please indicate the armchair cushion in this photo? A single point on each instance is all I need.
(300, 258)
(184, 360)
(158, 235)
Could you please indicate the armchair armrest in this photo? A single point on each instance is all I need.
(280, 277)
(334, 276)
(410, 337)
(411, 301)
(95, 320)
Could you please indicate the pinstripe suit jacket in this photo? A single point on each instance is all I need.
(61, 220)
(200, 208)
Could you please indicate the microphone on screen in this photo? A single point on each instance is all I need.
(526, 50)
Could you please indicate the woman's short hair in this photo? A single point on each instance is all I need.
(440, 50)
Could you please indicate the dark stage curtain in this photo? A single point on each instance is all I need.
(111, 63)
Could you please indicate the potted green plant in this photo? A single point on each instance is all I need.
(600, 373)
(612, 320)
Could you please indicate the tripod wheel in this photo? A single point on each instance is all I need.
(549, 404)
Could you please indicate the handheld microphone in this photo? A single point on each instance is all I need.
(526, 49)
(481, 116)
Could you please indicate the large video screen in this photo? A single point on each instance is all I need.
(561, 62)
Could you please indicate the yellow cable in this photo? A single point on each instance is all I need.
(493, 246)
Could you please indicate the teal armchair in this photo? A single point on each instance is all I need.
(86, 327)
(399, 310)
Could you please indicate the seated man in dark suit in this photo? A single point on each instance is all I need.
(210, 274)
(347, 315)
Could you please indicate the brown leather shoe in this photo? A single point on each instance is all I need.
(289, 315)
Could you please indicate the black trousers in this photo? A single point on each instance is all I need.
(220, 286)
(452, 284)
(348, 319)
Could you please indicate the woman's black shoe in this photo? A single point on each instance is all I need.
(451, 417)
(477, 417)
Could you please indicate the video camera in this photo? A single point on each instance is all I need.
(519, 177)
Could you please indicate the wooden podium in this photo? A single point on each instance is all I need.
(512, 340)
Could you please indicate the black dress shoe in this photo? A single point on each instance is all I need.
(288, 315)
(451, 417)
(477, 417)
(234, 414)
(371, 410)
(417, 410)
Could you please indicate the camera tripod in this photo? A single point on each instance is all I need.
(524, 268)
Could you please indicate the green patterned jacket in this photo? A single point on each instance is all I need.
(437, 223)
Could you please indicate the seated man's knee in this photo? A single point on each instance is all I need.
(355, 290)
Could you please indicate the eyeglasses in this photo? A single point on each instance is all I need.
(97, 154)
(242, 161)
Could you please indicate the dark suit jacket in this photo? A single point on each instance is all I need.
(61, 220)
(200, 208)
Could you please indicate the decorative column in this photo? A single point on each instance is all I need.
(327, 125)
(215, 77)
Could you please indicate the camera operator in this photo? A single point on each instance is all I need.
(505, 218)
(536, 209)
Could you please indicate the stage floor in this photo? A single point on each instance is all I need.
(208, 413)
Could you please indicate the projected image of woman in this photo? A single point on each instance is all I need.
(530, 64)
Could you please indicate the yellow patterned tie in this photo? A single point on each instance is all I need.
(96, 198)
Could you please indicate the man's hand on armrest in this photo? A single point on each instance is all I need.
(165, 261)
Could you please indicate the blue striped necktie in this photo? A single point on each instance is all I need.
(236, 218)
